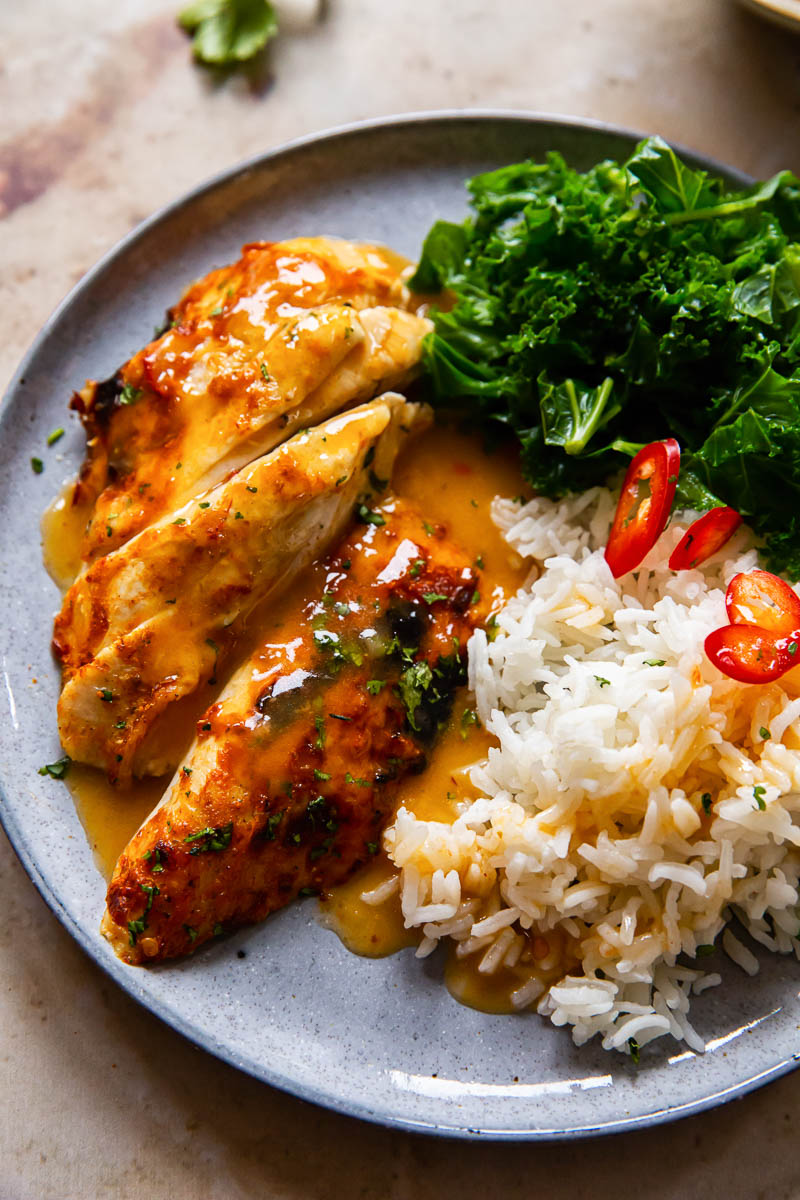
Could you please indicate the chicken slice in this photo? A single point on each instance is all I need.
(291, 333)
(147, 624)
(293, 774)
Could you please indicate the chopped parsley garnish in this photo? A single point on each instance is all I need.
(251, 489)
(58, 769)
(655, 662)
(369, 516)
(468, 718)
(271, 827)
(37, 466)
(374, 686)
(179, 521)
(416, 567)
(432, 597)
(705, 800)
(237, 516)
(55, 436)
(130, 394)
(105, 695)
(321, 774)
(602, 681)
(634, 1048)
(265, 373)
(372, 847)
(764, 733)
(215, 839)
(140, 924)
(319, 725)
(204, 504)
(414, 682)
(759, 793)
(479, 563)
(704, 951)
(217, 311)
(426, 525)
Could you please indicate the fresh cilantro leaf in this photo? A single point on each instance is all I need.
(228, 31)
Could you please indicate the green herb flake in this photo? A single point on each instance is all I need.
(655, 662)
(602, 682)
(369, 516)
(265, 373)
(55, 436)
(705, 800)
(319, 725)
(374, 686)
(37, 466)
(635, 1050)
(764, 733)
(106, 695)
(179, 521)
(129, 394)
(704, 951)
(210, 839)
(759, 793)
(432, 597)
(204, 504)
(468, 718)
(416, 567)
(321, 774)
(413, 684)
(57, 769)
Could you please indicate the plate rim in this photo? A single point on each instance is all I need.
(116, 971)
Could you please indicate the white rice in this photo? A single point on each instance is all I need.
(612, 725)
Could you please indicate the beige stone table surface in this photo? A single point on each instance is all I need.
(104, 119)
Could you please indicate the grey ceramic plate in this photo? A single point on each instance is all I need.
(378, 1039)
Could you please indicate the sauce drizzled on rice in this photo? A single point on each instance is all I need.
(637, 799)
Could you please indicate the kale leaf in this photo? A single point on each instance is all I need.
(596, 311)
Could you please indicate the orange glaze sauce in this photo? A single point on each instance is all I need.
(452, 479)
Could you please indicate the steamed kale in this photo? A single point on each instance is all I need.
(597, 311)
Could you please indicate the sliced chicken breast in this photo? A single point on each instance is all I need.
(291, 333)
(294, 771)
(148, 623)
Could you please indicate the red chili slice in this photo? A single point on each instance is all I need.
(751, 654)
(704, 537)
(760, 598)
(644, 505)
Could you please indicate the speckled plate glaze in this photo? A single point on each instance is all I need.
(382, 1039)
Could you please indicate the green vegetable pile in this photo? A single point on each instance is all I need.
(595, 312)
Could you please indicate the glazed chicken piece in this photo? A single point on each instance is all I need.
(290, 334)
(147, 624)
(293, 775)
